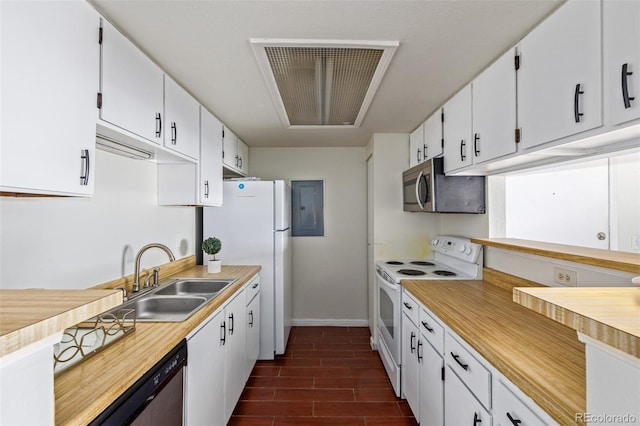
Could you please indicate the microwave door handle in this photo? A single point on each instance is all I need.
(418, 191)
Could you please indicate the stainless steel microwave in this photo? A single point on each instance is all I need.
(425, 188)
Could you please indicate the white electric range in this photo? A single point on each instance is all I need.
(455, 258)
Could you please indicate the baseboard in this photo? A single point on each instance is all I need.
(330, 322)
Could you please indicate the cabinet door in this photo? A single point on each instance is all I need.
(457, 130)
(210, 164)
(416, 146)
(460, 406)
(181, 112)
(621, 21)
(431, 385)
(494, 110)
(409, 369)
(131, 86)
(508, 410)
(204, 369)
(433, 135)
(253, 334)
(243, 157)
(559, 80)
(235, 352)
(50, 79)
(229, 149)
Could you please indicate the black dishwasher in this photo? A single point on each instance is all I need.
(155, 399)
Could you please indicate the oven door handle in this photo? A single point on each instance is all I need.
(418, 195)
(391, 287)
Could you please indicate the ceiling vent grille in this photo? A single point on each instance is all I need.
(323, 83)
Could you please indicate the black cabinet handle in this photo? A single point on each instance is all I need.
(476, 419)
(231, 324)
(426, 325)
(406, 305)
(418, 351)
(576, 98)
(86, 164)
(476, 139)
(418, 151)
(237, 161)
(412, 344)
(460, 363)
(424, 152)
(514, 421)
(206, 189)
(251, 318)
(240, 162)
(625, 86)
(462, 145)
(158, 125)
(174, 133)
(223, 329)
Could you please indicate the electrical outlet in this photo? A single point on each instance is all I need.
(565, 277)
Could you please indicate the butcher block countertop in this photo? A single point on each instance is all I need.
(610, 315)
(28, 316)
(619, 260)
(84, 391)
(543, 358)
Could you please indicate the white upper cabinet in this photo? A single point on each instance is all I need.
(181, 112)
(243, 157)
(621, 40)
(433, 141)
(494, 110)
(235, 153)
(131, 87)
(559, 80)
(457, 130)
(48, 106)
(416, 146)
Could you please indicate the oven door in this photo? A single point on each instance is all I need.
(389, 312)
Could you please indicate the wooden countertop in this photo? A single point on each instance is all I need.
(28, 316)
(619, 260)
(84, 391)
(543, 358)
(610, 315)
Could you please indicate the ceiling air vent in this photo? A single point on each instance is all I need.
(320, 83)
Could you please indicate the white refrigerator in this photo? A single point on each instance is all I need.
(253, 226)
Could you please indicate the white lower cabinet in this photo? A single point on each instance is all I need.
(410, 366)
(431, 386)
(460, 406)
(204, 369)
(219, 358)
(253, 325)
(508, 410)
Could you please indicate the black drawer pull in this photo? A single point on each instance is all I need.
(625, 86)
(255, 285)
(424, 152)
(231, 324)
(462, 146)
(476, 419)
(460, 363)
(426, 325)
(418, 155)
(514, 421)
(412, 344)
(223, 328)
(406, 305)
(576, 108)
(250, 318)
(418, 352)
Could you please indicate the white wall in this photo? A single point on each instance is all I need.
(82, 242)
(329, 272)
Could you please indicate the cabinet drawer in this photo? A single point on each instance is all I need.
(410, 308)
(460, 407)
(470, 370)
(509, 410)
(252, 289)
(432, 330)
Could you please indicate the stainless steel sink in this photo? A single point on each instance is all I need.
(194, 286)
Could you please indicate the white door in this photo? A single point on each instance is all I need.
(243, 157)
(229, 149)
(210, 164)
(494, 110)
(131, 86)
(457, 130)
(460, 405)
(416, 146)
(559, 80)
(431, 385)
(620, 26)
(235, 352)
(48, 106)
(182, 114)
(409, 370)
(433, 135)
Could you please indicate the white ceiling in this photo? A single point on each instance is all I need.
(204, 45)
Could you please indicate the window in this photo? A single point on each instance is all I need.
(307, 208)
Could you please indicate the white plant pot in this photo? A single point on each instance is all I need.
(214, 266)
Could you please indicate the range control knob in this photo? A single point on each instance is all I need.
(462, 248)
(468, 250)
(435, 242)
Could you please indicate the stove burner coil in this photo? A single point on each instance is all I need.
(412, 272)
(422, 263)
(443, 273)
(394, 262)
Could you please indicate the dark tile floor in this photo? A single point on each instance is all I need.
(328, 376)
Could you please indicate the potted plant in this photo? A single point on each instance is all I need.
(212, 246)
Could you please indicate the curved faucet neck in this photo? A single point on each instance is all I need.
(136, 276)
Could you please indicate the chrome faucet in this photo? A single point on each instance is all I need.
(136, 279)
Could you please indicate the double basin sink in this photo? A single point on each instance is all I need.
(175, 301)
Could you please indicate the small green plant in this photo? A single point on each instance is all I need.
(211, 246)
